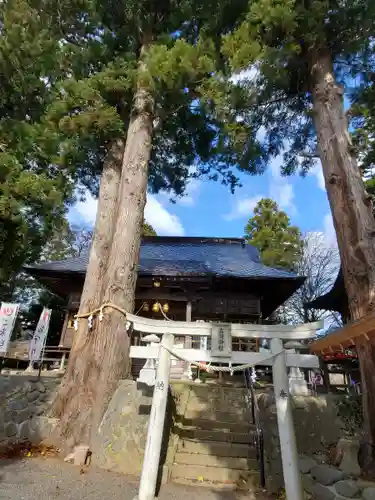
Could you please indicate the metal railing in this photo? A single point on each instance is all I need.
(253, 406)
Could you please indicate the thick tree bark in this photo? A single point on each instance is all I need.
(353, 220)
(103, 358)
(74, 395)
(111, 339)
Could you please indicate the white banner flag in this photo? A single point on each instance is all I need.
(8, 315)
(40, 336)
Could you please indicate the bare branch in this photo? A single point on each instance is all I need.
(319, 264)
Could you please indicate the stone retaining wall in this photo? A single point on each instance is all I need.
(325, 482)
(121, 440)
(317, 428)
(23, 402)
(122, 435)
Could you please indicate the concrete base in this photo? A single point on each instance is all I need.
(298, 387)
(297, 383)
(137, 498)
(147, 375)
(188, 374)
(347, 456)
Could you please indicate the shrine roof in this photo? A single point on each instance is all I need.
(186, 256)
(335, 299)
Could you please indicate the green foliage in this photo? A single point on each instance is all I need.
(279, 243)
(58, 306)
(33, 190)
(276, 39)
(178, 45)
(349, 409)
(69, 72)
(363, 120)
(68, 242)
(148, 230)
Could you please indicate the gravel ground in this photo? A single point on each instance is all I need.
(52, 479)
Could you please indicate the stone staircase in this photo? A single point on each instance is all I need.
(215, 440)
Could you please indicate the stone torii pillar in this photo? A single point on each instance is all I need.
(150, 468)
(147, 374)
(188, 375)
(297, 383)
(288, 445)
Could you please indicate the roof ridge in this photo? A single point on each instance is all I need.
(194, 239)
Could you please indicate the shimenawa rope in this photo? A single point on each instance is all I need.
(208, 367)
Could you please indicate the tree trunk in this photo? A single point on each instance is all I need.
(104, 357)
(353, 220)
(73, 396)
(111, 339)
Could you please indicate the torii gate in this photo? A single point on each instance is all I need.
(221, 352)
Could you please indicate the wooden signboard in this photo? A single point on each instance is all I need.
(221, 341)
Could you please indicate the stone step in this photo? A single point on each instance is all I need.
(218, 448)
(214, 435)
(218, 400)
(216, 474)
(240, 417)
(214, 461)
(220, 423)
(237, 408)
(212, 485)
(218, 397)
(212, 391)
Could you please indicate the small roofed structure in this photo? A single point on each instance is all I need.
(337, 348)
(334, 300)
(343, 339)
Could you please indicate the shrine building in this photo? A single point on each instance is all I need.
(192, 278)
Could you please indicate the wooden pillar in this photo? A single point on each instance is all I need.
(65, 326)
(62, 362)
(187, 375)
(324, 369)
(188, 311)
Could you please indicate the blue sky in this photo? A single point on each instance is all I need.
(209, 209)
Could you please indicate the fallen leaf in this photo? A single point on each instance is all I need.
(200, 479)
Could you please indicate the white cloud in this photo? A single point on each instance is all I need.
(317, 171)
(245, 75)
(283, 194)
(280, 189)
(243, 208)
(161, 220)
(329, 230)
(261, 134)
(87, 209)
(164, 222)
(192, 193)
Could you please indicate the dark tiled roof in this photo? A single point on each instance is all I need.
(173, 256)
(336, 299)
